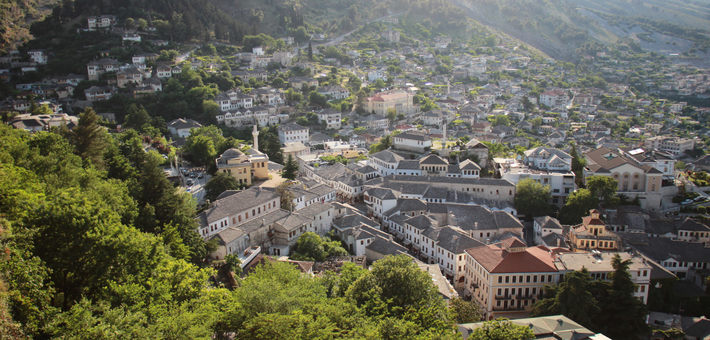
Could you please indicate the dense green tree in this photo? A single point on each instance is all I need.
(312, 247)
(220, 183)
(622, 315)
(270, 145)
(577, 206)
(604, 189)
(501, 120)
(572, 298)
(465, 311)
(532, 197)
(396, 283)
(502, 329)
(290, 168)
(88, 138)
(137, 117)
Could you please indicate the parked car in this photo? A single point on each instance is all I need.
(189, 182)
(687, 202)
(201, 175)
(700, 198)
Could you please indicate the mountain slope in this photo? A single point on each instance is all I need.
(15, 18)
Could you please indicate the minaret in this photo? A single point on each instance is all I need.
(443, 126)
(255, 134)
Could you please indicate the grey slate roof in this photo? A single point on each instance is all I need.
(433, 160)
(382, 193)
(235, 203)
(693, 225)
(418, 136)
(407, 204)
(660, 249)
(314, 209)
(354, 220)
(388, 156)
(422, 222)
(291, 127)
(547, 222)
(386, 246)
(475, 217)
(408, 165)
(453, 239)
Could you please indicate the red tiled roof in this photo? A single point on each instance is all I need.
(512, 242)
(497, 260)
(588, 220)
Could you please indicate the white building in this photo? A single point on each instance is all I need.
(104, 21)
(38, 56)
(332, 118)
(293, 132)
(181, 127)
(411, 141)
(385, 162)
(545, 225)
(553, 98)
(334, 92)
(446, 246)
(561, 183)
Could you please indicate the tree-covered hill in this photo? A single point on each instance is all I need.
(15, 16)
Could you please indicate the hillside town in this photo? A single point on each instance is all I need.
(435, 148)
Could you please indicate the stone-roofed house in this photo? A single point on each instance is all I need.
(322, 214)
(692, 230)
(475, 147)
(544, 226)
(488, 188)
(236, 209)
(98, 67)
(411, 141)
(386, 162)
(446, 246)
(675, 256)
(181, 127)
(320, 193)
(292, 132)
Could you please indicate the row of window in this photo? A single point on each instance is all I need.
(528, 278)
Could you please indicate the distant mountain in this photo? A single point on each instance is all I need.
(560, 27)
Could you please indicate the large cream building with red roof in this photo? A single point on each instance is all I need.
(506, 279)
(398, 100)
